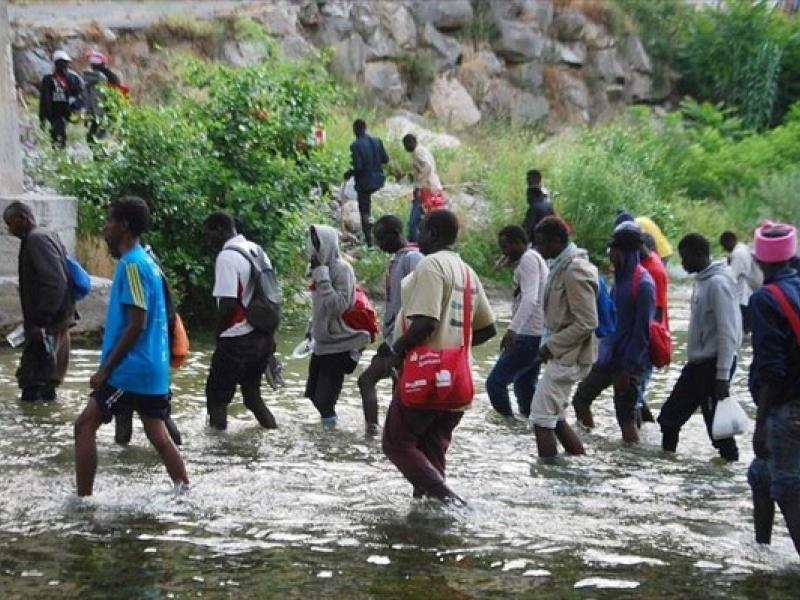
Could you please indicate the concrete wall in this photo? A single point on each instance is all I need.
(10, 158)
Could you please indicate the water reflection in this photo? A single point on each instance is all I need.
(301, 512)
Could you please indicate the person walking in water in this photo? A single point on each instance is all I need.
(745, 273)
(774, 474)
(569, 346)
(336, 346)
(48, 309)
(663, 247)
(405, 258)
(426, 181)
(715, 333)
(625, 354)
(519, 348)
(368, 157)
(242, 352)
(416, 439)
(134, 365)
(60, 96)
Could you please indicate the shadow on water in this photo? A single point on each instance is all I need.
(303, 512)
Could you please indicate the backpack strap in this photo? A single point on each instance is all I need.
(467, 318)
(786, 307)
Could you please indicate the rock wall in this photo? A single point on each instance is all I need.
(551, 62)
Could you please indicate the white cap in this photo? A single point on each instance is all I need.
(61, 55)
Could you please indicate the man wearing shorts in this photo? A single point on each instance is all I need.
(569, 347)
(134, 366)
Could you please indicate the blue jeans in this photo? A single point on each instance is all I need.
(780, 472)
(414, 218)
(518, 365)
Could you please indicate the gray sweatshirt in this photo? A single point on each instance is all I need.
(715, 324)
(333, 294)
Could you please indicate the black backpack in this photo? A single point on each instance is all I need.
(264, 310)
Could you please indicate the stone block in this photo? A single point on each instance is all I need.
(528, 76)
(518, 42)
(382, 78)
(571, 53)
(452, 104)
(446, 50)
(349, 58)
(569, 25)
(447, 16)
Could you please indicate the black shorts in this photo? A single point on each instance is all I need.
(112, 401)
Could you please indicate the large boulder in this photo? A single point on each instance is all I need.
(398, 20)
(477, 71)
(400, 125)
(637, 56)
(518, 42)
(446, 16)
(245, 53)
(608, 65)
(280, 18)
(536, 12)
(365, 18)
(528, 108)
(295, 47)
(452, 104)
(503, 100)
(381, 45)
(528, 76)
(446, 50)
(349, 58)
(382, 79)
(639, 88)
(573, 93)
(596, 36)
(30, 65)
(335, 23)
(571, 53)
(569, 25)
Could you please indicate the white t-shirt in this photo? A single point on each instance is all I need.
(232, 280)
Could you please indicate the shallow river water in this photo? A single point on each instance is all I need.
(306, 513)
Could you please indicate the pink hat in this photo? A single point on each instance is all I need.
(775, 242)
(97, 58)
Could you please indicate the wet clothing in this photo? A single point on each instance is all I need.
(715, 322)
(600, 378)
(554, 391)
(59, 97)
(695, 389)
(112, 401)
(138, 282)
(778, 476)
(518, 365)
(47, 304)
(238, 361)
(326, 374)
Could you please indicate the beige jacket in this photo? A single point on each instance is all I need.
(570, 309)
(425, 169)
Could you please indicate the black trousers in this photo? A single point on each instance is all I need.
(365, 210)
(238, 361)
(600, 378)
(325, 380)
(694, 389)
(58, 131)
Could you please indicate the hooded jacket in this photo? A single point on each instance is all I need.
(715, 323)
(44, 282)
(333, 293)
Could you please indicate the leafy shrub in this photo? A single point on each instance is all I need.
(240, 140)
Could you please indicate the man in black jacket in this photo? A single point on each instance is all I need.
(539, 205)
(48, 310)
(60, 95)
(368, 156)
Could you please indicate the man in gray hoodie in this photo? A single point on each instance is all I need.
(337, 346)
(715, 333)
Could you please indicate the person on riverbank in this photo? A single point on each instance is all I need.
(715, 333)
(48, 309)
(663, 247)
(426, 181)
(625, 354)
(405, 258)
(519, 348)
(652, 264)
(539, 205)
(416, 439)
(242, 353)
(368, 157)
(60, 96)
(745, 273)
(774, 474)
(337, 347)
(569, 346)
(96, 78)
(134, 366)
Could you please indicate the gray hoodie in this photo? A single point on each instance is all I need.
(333, 294)
(715, 324)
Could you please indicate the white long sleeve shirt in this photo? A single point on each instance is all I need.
(530, 281)
(741, 265)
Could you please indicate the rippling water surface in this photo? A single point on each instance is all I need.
(306, 513)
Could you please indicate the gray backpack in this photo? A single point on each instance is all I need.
(264, 309)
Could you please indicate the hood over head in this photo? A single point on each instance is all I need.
(328, 244)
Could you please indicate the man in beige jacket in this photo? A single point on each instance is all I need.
(425, 178)
(569, 346)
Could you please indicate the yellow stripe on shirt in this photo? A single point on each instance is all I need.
(135, 284)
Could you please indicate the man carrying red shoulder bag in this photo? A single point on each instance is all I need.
(444, 312)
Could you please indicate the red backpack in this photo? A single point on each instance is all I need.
(362, 315)
(660, 339)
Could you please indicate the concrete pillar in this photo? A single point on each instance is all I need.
(10, 158)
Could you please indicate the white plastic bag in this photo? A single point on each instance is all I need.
(729, 419)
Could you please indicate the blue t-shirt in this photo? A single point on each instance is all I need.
(138, 282)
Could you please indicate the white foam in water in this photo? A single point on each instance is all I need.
(513, 565)
(375, 559)
(325, 574)
(602, 583)
(708, 565)
(598, 556)
(536, 573)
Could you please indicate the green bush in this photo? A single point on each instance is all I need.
(240, 140)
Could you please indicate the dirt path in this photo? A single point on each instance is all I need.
(116, 15)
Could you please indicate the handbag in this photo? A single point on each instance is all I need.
(441, 379)
(432, 200)
(660, 338)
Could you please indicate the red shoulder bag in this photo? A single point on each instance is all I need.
(660, 338)
(441, 379)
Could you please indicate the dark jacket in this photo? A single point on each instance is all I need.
(369, 157)
(57, 101)
(539, 207)
(43, 282)
(776, 355)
